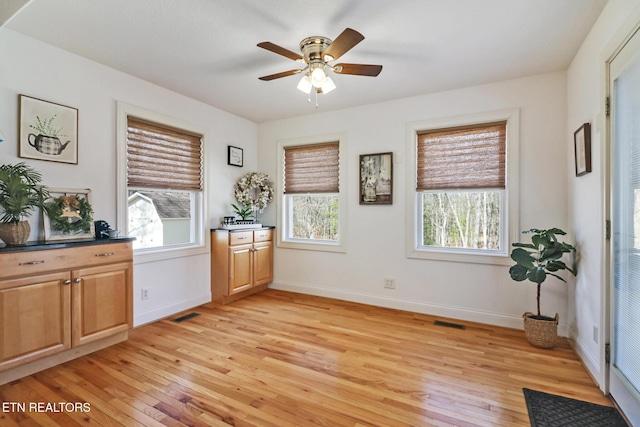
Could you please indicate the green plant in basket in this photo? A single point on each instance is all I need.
(540, 258)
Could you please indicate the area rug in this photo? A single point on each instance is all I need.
(549, 410)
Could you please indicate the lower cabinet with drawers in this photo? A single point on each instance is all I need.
(58, 304)
(241, 262)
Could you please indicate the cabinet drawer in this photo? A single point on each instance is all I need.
(35, 262)
(240, 238)
(262, 235)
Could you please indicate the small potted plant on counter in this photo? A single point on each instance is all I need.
(536, 261)
(20, 192)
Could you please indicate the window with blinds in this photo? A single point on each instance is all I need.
(311, 186)
(462, 158)
(312, 168)
(164, 179)
(161, 157)
(461, 182)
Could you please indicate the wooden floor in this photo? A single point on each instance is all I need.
(284, 359)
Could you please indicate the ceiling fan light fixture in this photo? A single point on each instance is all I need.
(318, 76)
(328, 85)
(317, 52)
(305, 84)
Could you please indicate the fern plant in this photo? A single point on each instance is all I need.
(20, 192)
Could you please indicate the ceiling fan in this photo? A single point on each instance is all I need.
(317, 52)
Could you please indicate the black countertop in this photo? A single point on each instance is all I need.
(264, 227)
(39, 245)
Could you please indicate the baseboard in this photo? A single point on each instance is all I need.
(496, 319)
(140, 319)
(591, 365)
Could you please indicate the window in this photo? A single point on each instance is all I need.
(312, 208)
(163, 175)
(462, 191)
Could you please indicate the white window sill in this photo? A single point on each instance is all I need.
(461, 256)
(141, 256)
(312, 246)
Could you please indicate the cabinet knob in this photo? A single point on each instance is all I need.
(67, 282)
(78, 280)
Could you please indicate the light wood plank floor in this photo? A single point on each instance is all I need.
(285, 359)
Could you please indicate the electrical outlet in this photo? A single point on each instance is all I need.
(145, 293)
(389, 283)
(595, 334)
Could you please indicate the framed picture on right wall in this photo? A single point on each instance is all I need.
(582, 147)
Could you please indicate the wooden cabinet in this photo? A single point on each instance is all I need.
(35, 317)
(53, 301)
(241, 263)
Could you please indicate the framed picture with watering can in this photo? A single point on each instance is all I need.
(48, 131)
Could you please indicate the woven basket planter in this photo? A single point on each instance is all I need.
(539, 332)
(15, 233)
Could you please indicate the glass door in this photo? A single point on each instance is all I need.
(624, 369)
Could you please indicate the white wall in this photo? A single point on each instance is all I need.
(586, 194)
(36, 69)
(376, 234)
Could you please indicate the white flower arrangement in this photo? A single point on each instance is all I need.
(254, 190)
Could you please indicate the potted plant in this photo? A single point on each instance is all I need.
(242, 211)
(20, 192)
(536, 261)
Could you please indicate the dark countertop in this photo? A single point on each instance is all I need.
(264, 227)
(59, 244)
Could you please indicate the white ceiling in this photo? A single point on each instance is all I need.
(206, 49)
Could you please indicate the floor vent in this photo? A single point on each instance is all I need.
(449, 325)
(185, 317)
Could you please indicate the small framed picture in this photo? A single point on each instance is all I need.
(68, 215)
(234, 156)
(376, 179)
(48, 131)
(582, 147)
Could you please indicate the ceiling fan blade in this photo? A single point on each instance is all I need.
(342, 44)
(358, 69)
(279, 75)
(280, 51)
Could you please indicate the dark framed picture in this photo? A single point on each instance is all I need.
(234, 156)
(376, 179)
(48, 131)
(582, 147)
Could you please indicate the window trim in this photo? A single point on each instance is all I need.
(414, 248)
(143, 255)
(281, 217)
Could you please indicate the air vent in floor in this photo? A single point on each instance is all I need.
(449, 325)
(185, 317)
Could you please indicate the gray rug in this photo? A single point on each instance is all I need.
(549, 410)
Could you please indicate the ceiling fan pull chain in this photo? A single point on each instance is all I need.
(316, 91)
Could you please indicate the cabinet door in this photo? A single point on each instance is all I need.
(262, 263)
(240, 268)
(102, 302)
(34, 318)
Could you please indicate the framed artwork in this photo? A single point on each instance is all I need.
(376, 179)
(582, 147)
(48, 131)
(68, 215)
(234, 156)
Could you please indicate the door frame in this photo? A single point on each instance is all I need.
(621, 38)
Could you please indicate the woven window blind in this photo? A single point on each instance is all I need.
(462, 158)
(161, 157)
(312, 168)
